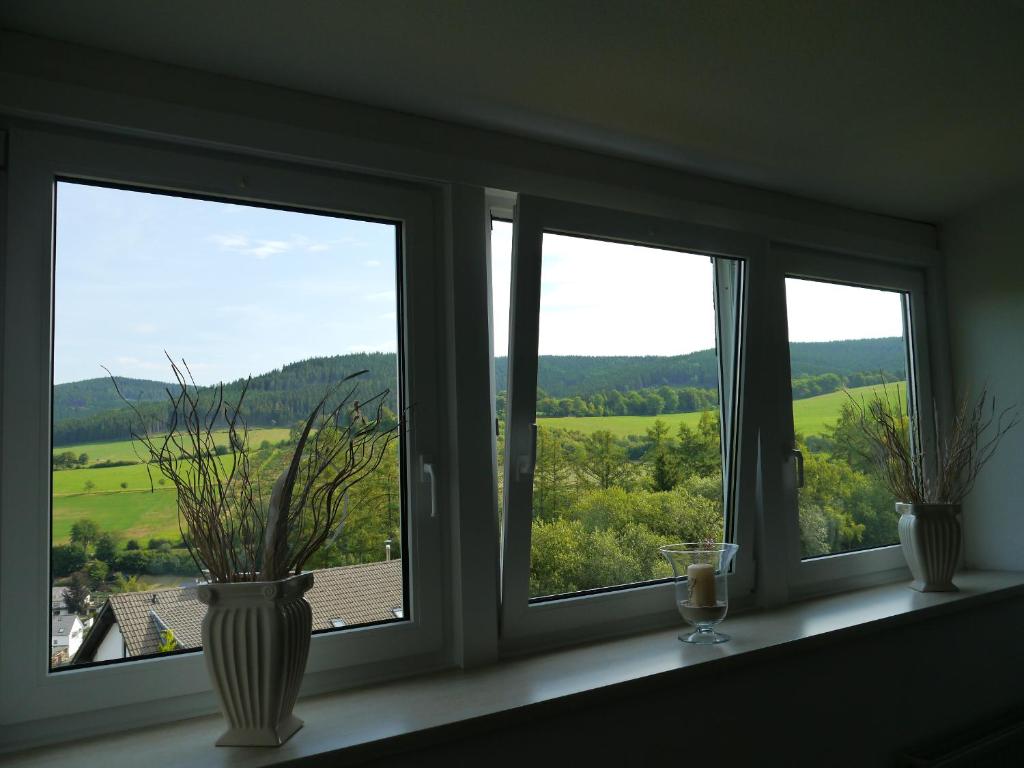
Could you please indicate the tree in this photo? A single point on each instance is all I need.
(84, 533)
(96, 572)
(124, 484)
(83, 458)
(76, 594)
(106, 547)
(132, 544)
(124, 583)
(664, 472)
(89, 486)
(602, 462)
(553, 484)
(168, 642)
(66, 559)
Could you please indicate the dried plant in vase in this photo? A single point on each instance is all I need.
(929, 490)
(252, 536)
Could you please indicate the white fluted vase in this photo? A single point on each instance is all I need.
(256, 641)
(930, 535)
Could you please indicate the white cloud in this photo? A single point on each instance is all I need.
(264, 249)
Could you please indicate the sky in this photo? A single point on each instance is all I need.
(238, 290)
(232, 289)
(600, 298)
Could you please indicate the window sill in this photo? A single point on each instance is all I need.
(398, 716)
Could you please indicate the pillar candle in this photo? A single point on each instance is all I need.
(702, 584)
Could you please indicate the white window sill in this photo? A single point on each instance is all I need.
(427, 709)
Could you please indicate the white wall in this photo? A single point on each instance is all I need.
(112, 646)
(984, 253)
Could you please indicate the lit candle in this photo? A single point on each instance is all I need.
(701, 577)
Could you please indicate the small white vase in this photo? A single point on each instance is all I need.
(930, 535)
(255, 642)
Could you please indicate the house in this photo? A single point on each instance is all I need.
(882, 135)
(58, 603)
(134, 624)
(66, 634)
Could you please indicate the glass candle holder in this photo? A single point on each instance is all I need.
(702, 589)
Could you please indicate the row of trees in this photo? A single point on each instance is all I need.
(602, 505)
(637, 402)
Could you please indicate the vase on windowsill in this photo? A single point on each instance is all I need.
(251, 546)
(255, 644)
(931, 485)
(930, 537)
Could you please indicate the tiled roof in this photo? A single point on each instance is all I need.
(61, 626)
(356, 594)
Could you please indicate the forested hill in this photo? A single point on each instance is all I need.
(88, 411)
(567, 376)
(87, 398)
(278, 398)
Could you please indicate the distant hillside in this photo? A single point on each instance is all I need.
(566, 376)
(888, 355)
(89, 411)
(278, 398)
(87, 398)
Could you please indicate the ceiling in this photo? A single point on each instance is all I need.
(913, 108)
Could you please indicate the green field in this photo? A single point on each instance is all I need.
(121, 450)
(136, 513)
(132, 512)
(810, 416)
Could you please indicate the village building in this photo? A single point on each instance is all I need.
(132, 624)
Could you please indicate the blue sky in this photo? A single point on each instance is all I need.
(238, 289)
(233, 289)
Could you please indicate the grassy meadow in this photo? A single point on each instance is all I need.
(135, 512)
(132, 512)
(810, 416)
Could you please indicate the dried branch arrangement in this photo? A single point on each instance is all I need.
(234, 526)
(973, 436)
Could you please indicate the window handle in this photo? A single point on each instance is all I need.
(427, 476)
(799, 467)
(525, 463)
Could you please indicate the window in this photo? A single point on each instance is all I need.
(229, 263)
(613, 407)
(228, 290)
(846, 344)
(853, 328)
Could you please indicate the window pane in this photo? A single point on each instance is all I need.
(845, 342)
(628, 437)
(296, 300)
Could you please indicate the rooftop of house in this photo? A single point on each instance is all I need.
(354, 594)
(62, 626)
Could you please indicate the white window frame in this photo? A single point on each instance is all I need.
(527, 624)
(131, 693)
(848, 569)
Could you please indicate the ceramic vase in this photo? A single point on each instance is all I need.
(930, 535)
(255, 642)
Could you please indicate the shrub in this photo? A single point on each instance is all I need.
(96, 572)
(106, 547)
(66, 559)
(132, 544)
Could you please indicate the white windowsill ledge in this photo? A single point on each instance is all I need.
(397, 716)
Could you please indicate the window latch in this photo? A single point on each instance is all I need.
(427, 476)
(525, 463)
(798, 455)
